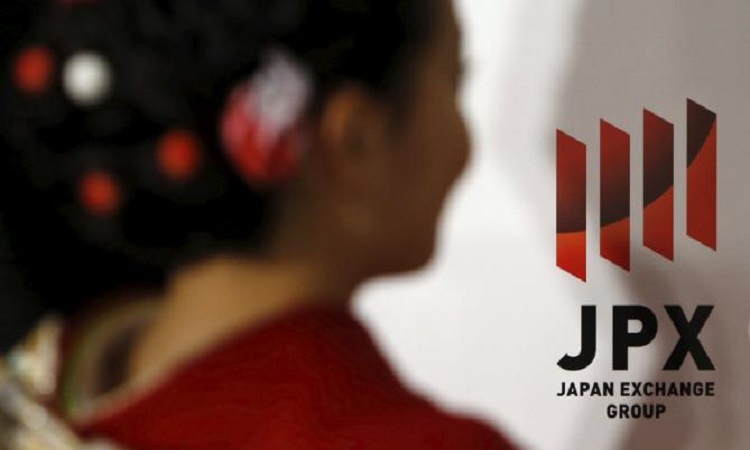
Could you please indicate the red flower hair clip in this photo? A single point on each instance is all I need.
(261, 127)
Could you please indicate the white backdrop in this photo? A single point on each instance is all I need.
(483, 328)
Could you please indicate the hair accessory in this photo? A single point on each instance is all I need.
(179, 155)
(33, 71)
(87, 79)
(261, 125)
(99, 193)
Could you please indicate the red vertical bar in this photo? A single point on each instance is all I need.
(701, 174)
(571, 205)
(658, 184)
(615, 195)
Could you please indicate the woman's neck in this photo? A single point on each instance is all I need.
(210, 301)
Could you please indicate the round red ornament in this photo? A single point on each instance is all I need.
(34, 70)
(100, 193)
(180, 155)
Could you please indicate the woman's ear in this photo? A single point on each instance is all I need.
(352, 136)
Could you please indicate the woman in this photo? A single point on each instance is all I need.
(200, 187)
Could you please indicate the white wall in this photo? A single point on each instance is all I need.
(483, 328)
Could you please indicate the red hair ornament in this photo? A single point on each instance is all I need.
(100, 194)
(34, 70)
(261, 128)
(180, 155)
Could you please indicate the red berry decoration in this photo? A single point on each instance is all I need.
(34, 69)
(100, 193)
(180, 155)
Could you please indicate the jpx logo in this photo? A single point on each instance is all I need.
(623, 339)
(658, 190)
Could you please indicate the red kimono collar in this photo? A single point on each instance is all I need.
(310, 379)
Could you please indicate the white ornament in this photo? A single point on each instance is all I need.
(280, 92)
(87, 79)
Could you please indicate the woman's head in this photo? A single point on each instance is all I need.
(384, 167)
(121, 189)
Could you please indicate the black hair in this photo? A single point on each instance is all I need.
(174, 63)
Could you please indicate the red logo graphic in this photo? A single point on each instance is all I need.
(658, 190)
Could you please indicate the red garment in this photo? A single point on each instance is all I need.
(312, 379)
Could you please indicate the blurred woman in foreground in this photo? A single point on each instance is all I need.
(199, 188)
